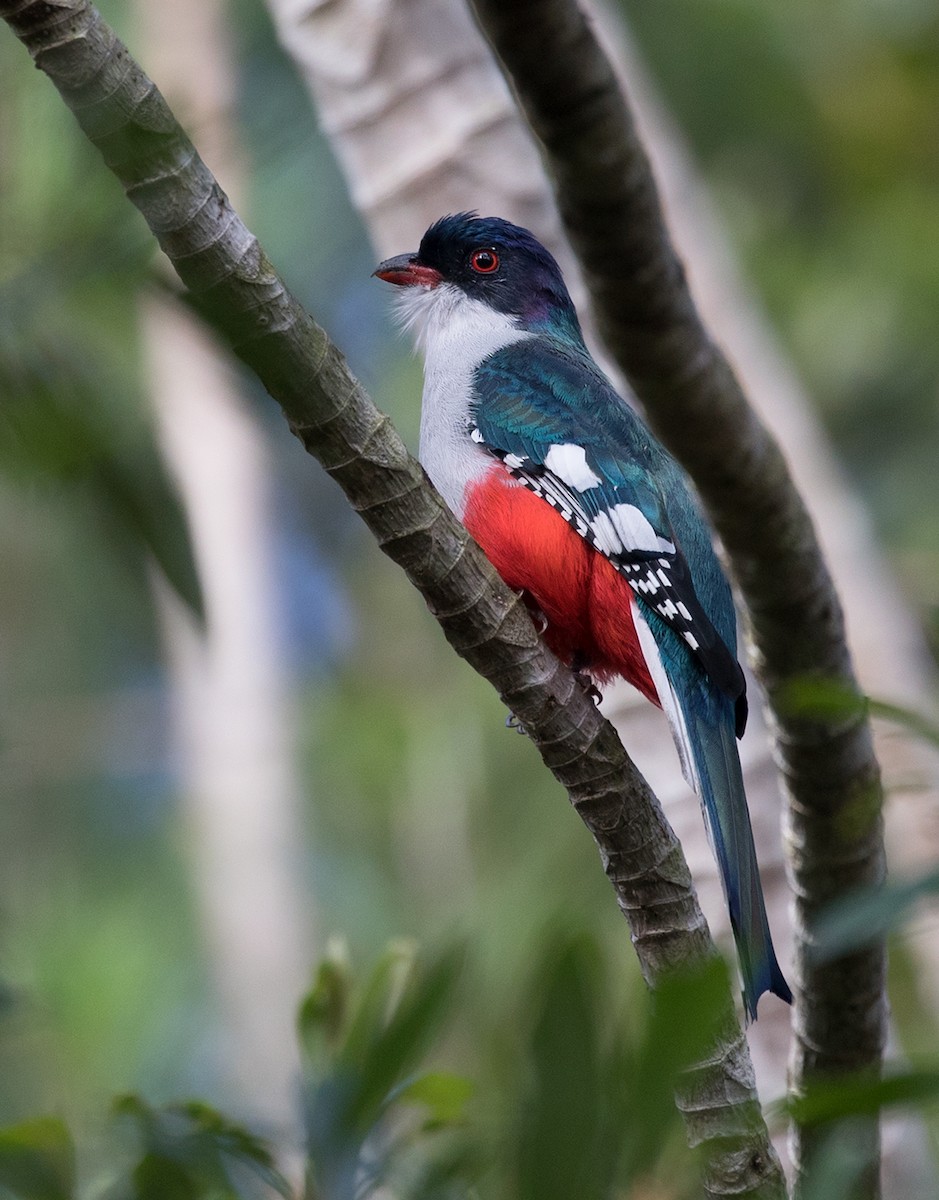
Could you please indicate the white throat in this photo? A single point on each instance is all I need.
(456, 334)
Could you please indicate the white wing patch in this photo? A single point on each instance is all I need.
(623, 528)
(668, 698)
(604, 535)
(636, 532)
(569, 462)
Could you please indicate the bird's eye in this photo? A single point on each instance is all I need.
(484, 261)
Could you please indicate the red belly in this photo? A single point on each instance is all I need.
(585, 600)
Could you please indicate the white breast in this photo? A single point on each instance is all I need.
(456, 334)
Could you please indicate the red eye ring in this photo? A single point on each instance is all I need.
(484, 261)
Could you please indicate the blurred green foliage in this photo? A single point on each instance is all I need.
(190, 1151)
(361, 1053)
(37, 1160)
(588, 1108)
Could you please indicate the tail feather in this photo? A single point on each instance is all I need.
(724, 804)
(703, 723)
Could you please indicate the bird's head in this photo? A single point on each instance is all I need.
(484, 260)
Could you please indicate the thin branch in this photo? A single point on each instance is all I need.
(232, 282)
(609, 203)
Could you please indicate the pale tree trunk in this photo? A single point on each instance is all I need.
(423, 123)
(233, 708)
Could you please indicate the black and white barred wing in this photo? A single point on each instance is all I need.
(611, 517)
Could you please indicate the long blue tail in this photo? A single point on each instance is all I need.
(703, 723)
(714, 748)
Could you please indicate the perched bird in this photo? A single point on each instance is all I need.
(581, 510)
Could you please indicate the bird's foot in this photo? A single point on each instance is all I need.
(589, 686)
(512, 722)
(539, 620)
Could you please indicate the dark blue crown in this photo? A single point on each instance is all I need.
(528, 283)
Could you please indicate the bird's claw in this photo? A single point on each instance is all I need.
(512, 722)
(589, 686)
(539, 620)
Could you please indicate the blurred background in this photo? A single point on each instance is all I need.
(392, 799)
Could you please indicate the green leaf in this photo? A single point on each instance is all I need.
(447, 1176)
(816, 697)
(445, 1095)
(395, 1050)
(324, 1012)
(136, 494)
(158, 1178)
(832, 699)
(233, 1141)
(916, 724)
(190, 1148)
(360, 1061)
(37, 1160)
(869, 914)
(377, 1005)
(129, 1105)
(62, 425)
(860, 1095)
